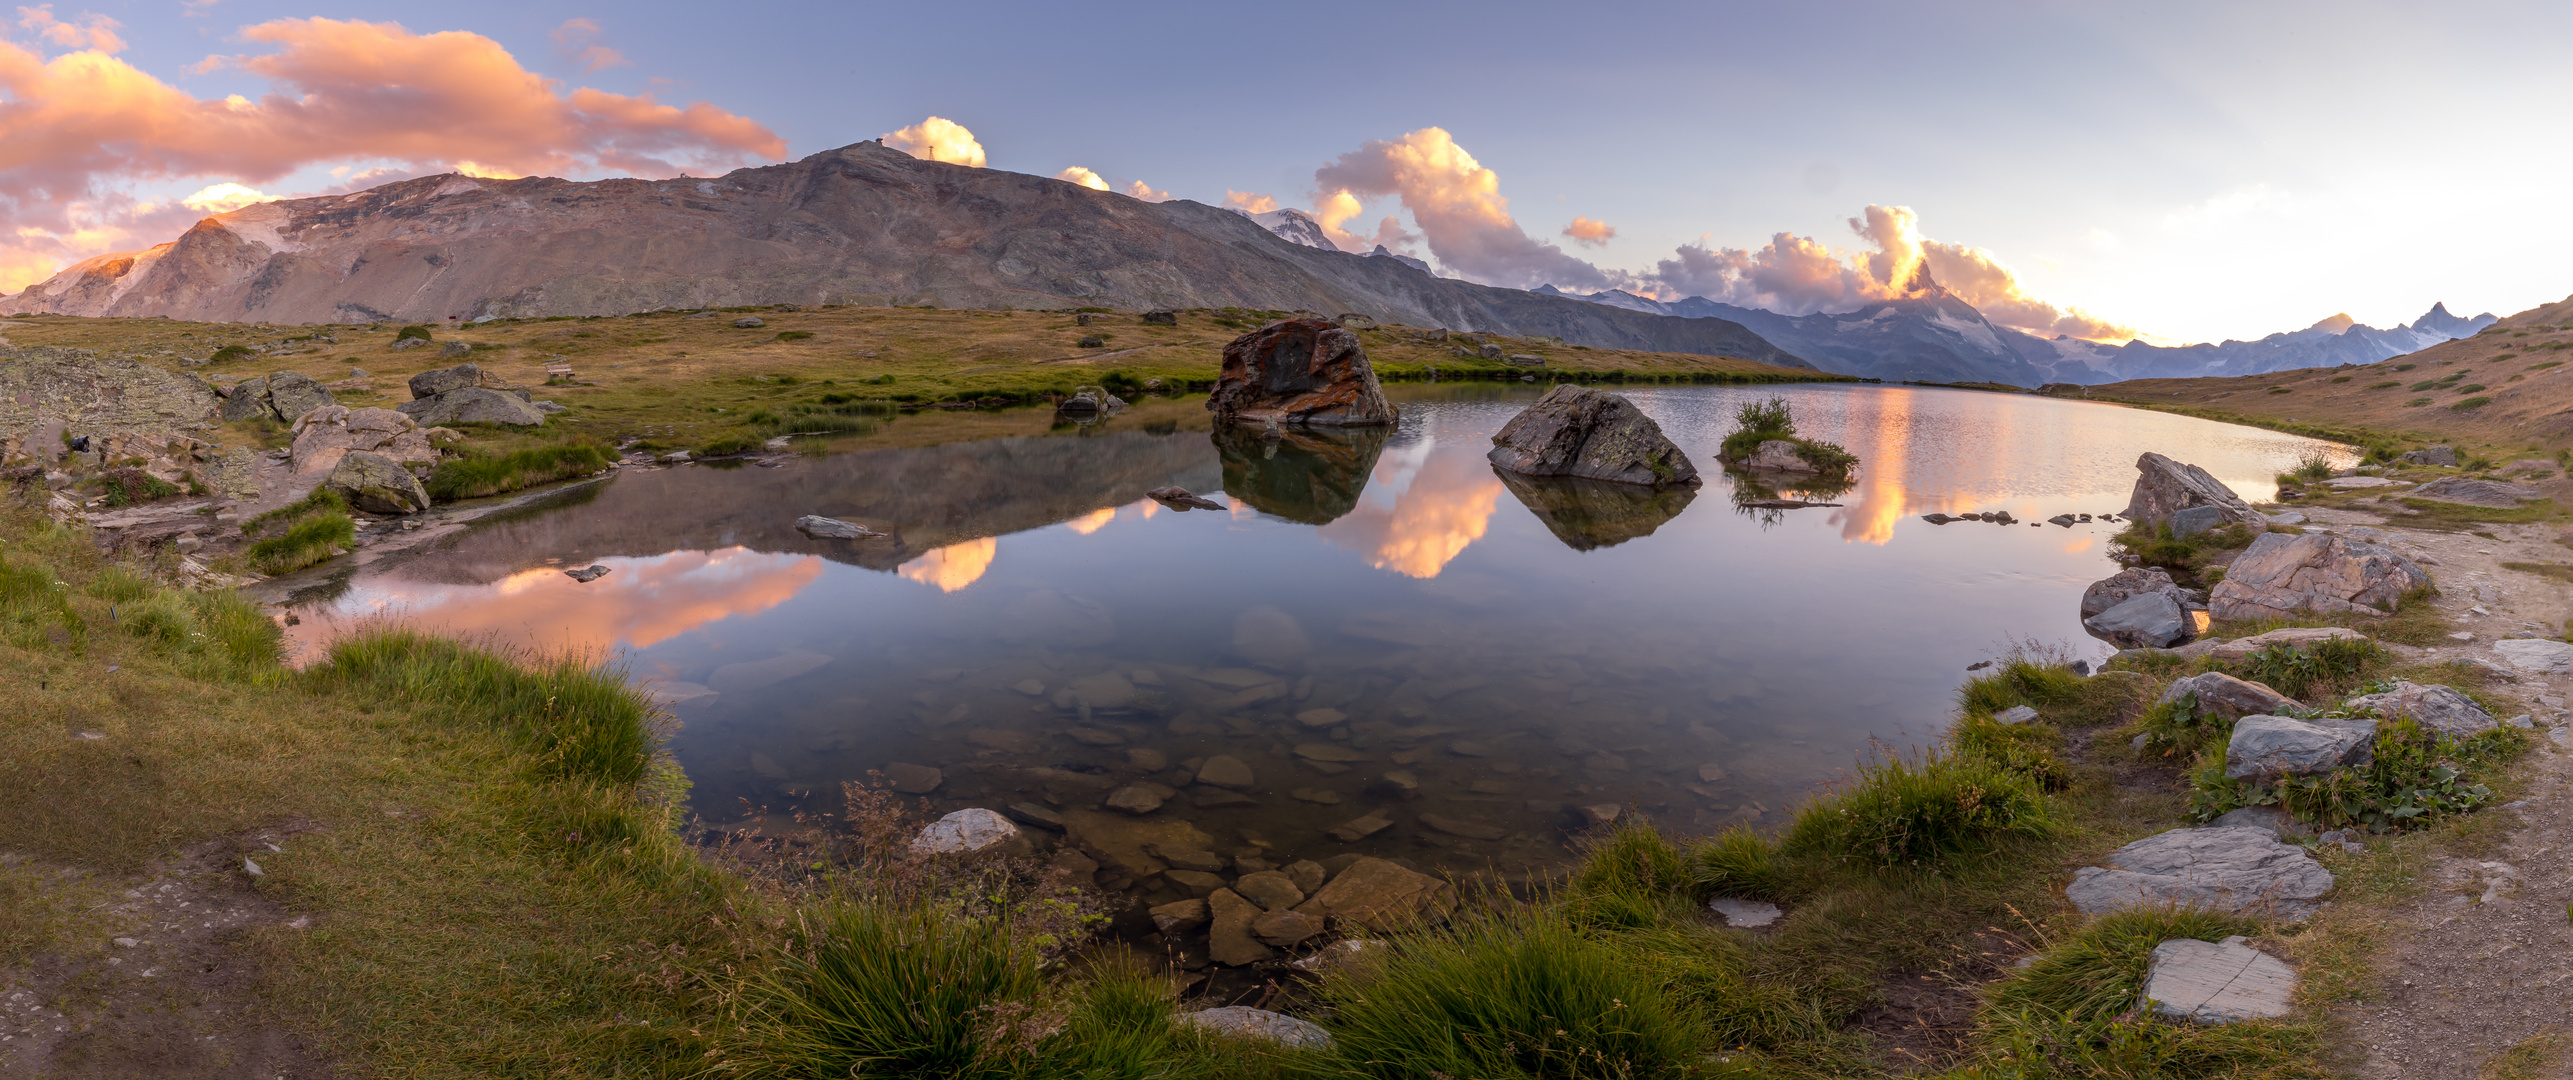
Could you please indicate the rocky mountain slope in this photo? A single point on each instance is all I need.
(1934, 336)
(863, 224)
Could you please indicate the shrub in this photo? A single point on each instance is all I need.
(475, 476)
(2313, 466)
(2471, 403)
(2385, 385)
(2469, 388)
(1902, 811)
(2296, 672)
(793, 335)
(230, 353)
(413, 331)
(1518, 993)
(1756, 422)
(868, 988)
(582, 720)
(2021, 679)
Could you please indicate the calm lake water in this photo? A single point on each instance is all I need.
(1379, 626)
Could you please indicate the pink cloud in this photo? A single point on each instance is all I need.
(577, 40)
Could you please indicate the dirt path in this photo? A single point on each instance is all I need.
(2482, 961)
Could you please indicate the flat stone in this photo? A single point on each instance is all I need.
(1321, 718)
(1307, 874)
(1379, 895)
(1244, 1022)
(1038, 815)
(1226, 771)
(2294, 637)
(1711, 773)
(1187, 858)
(2016, 714)
(1467, 828)
(1012, 742)
(2488, 493)
(1361, 828)
(2240, 870)
(1271, 889)
(911, 779)
(1229, 940)
(1284, 929)
(2264, 747)
(1321, 796)
(1108, 690)
(2217, 982)
(1236, 678)
(2439, 708)
(1180, 916)
(1327, 752)
(1134, 800)
(1122, 842)
(1197, 882)
(1147, 759)
(1091, 736)
(1744, 913)
(2219, 694)
(967, 832)
(2271, 818)
(1218, 799)
(2346, 483)
(2536, 655)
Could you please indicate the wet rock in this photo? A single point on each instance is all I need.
(1225, 771)
(2217, 982)
(2245, 871)
(1379, 895)
(1298, 372)
(2146, 621)
(1218, 799)
(1135, 800)
(1284, 929)
(1244, 1022)
(1328, 752)
(2431, 455)
(1580, 432)
(2164, 487)
(969, 832)
(2281, 575)
(1229, 940)
(1307, 874)
(2219, 694)
(1465, 827)
(1320, 796)
(377, 484)
(1121, 841)
(2491, 493)
(2296, 637)
(1321, 718)
(1599, 814)
(1198, 882)
(1268, 635)
(1744, 913)
(1013, 742)
(1147, 759)
(473, 405)
(2438, 708)
(911, 779)
(1180, 916)
(1360, 828)
(822, 528)
(1180, 498)
(1037, 814)
(587, 574)
(2264, 747)
(2536, 655)
(1188, 858)
(1107, 691)
(1270, 889)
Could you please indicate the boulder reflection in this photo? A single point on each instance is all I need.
(1590, 514)
(1301, 474)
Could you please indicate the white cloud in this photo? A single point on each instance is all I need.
(938, 139)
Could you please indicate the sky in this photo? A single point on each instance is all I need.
(2186, 172)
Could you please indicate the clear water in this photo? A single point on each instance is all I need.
(1044, 634)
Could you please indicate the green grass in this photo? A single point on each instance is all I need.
(2417, 777)
(1757, 422)
(2449, 516)
(874, 988)
(2326, 666)
(2472, 402)
(2385, 385)
(1920, 811)
(300, 534)
(476, 475)
(576, 720)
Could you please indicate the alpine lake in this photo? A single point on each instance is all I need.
(1407, 653)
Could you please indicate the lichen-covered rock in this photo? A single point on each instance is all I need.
(2491, 493)
(2265, 747)
(429, 384)
(2145, 621)
(2164, 487)
(291, 395)
(96, 393)
(380, 431)
(2279, 576)
(2218, 694)
(2431, 455)
(2439, 708)
(1592, 434)
(1244, 1022)
(1299, 371)
(2124, 585)
(2306, 638)
(2245, 871)
(247, 400)
(473, 405)
(377, 484)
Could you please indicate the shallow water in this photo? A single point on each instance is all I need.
(1379, 627)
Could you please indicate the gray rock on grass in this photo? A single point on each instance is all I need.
(2164, 487)
(2431, 455)
(2439, 708)
(2280, 576)
(2264, 747)
(473, 405)
(2487, 493)
(2218, 982)
(1244, 1022)
(1577, 431)
(2217, 693)
(2536, 655)
(2305, 638)
(2238, 870)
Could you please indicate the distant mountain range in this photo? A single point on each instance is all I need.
(1932, 335)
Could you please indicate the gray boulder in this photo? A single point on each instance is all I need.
(2146, 621)
(2536, 655)
(473, 405)
(2219, 694)
(2217, 982)
(1090, 399)
(970, 832)
(749, 322)
(2294, 637)
(291, 395)
(1578, 431)
(2280, 576)
(2245, 871)
(2431, 455)
(377, 484)
(429, 384)
(246, 400)
(2492, 493)
(2164, 487)
(2124, 585)
(2197, 519)
(2438, 708)
(1244, 1022)
(2264, 747)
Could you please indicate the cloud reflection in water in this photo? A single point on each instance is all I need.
(640, 603)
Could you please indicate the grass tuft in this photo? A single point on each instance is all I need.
(581, 720)
(1920, 811)
(474, 476)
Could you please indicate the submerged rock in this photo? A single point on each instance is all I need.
(968, 832)
(2239, 870)
(1592, 434)
(2217, 982)
(1299, 372)
(2164, 487)
(1379, 895)
(2281, 575)
(1181, 499)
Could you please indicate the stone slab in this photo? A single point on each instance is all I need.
(2219, 982)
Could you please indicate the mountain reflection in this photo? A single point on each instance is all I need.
(640, 603)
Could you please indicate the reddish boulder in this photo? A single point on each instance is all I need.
(1299, 371)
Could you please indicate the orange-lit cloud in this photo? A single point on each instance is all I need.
(1250, 202)
(1457, 204)
(1798, 275)
(955, 566)
(1593, 233)
(1140, 190)
(938, 139)
(641, 602)
(577, 40)
(1093, 521)
(1445, 510)
(78, 128)
(1074, 174)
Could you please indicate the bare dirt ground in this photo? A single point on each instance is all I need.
(165, 984)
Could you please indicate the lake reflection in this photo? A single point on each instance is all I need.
(1384, 630)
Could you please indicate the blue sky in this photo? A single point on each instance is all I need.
(2194, 171)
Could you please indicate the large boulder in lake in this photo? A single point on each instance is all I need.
(473, 405)
(1591, 434)
(2280, 576)
(2235, 869)
(377, 484)
(2164, 487)
(1299, 371)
